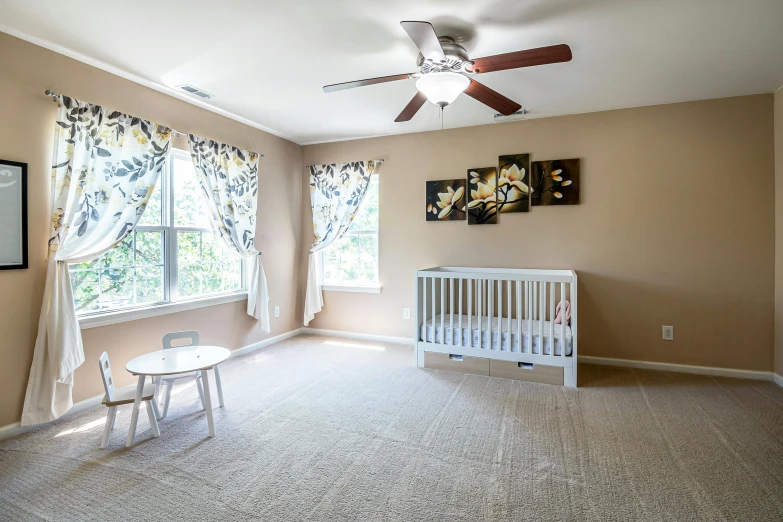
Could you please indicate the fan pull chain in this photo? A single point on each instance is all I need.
(441, 117)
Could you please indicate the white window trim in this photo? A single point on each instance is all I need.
(169, 305)
(357, 286)
(132, 314)
(349, 287)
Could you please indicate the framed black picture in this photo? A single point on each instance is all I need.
(13, 215)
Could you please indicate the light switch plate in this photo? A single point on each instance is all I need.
(668, 333)
(277, 311)
(406, 313)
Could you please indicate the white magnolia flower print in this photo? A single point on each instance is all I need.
(484, 193)
(513, 176)
(448, 200)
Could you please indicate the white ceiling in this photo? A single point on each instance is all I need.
(266, 61)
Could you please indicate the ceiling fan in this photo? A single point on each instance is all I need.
(444, 71)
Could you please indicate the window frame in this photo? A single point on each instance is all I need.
(170, 303)
(357, 286)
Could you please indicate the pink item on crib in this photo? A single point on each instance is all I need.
(559, 309)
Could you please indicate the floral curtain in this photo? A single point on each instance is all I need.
(229, 180)
(336, 190)
(105, 167)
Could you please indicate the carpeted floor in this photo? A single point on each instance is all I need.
(330, 430)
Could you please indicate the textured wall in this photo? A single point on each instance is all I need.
(676, 226)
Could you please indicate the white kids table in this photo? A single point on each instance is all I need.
(184, 359)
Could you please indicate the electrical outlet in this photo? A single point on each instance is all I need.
(668, 333)
(277, 311)
(406, 313)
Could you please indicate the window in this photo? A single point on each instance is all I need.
(172, 254)
(353, 259)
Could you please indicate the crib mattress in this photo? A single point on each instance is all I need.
(497, 340)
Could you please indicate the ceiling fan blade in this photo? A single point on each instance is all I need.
(412, 108)
(479, 91)
(360, 83)
(528, 58)
(423, 35)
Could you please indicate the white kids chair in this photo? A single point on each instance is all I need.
(114, 398)
(170, 380)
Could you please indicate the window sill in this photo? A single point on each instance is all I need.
(133, 314)
(362, 289)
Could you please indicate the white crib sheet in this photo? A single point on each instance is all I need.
(500, 340)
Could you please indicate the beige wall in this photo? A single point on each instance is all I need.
(676, 226)
(26, 133)
(779, 231)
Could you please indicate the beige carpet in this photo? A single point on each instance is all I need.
(329, 430)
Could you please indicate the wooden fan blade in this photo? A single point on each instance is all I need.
(360, 83)
(423, 35)
(479, 91)
(529, 58)
(412, 108)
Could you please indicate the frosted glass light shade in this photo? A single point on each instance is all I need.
(442, 88)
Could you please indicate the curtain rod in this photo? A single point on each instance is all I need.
(376, 161)
(173, 131)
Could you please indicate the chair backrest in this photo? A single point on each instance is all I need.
(173, 336)
(108, 379)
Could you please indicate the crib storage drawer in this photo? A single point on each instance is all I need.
(462, 364)
(526, 372)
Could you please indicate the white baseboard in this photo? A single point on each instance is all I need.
(358, 335)
(266, 342)
(681, 368)
(778, 380)
(14, 429)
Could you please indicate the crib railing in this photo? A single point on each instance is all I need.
(508, 298)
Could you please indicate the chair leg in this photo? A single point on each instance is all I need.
(153, 420)
(109, 426)
(155, 408)
(200, 391)
(166, 400)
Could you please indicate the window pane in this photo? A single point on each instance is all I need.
(117, 284)
(341, 260)
(212, 249)
(367, 215)
(116, 288)
(149, 248)
(188, 248)
(85, 289)
(205, 266)
(189, 206)
(152, 214)
(368, 258)
(354, 258)
(119, 256)
(189, 280)
(149, 284)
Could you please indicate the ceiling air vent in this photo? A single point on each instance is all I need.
(196, 91)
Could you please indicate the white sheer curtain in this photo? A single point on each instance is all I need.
(105, 167)
(336, 190)
(229, 180)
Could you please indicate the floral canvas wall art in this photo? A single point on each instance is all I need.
(446, 200)
(555, 182)
(513, 180)
(482, 196)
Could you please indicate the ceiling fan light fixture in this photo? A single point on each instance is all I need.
(442, 88)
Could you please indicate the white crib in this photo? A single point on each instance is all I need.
(498, 322)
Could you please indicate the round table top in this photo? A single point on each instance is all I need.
(182, 359)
